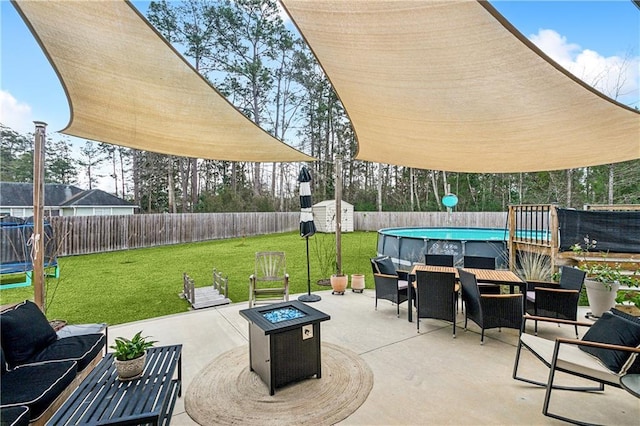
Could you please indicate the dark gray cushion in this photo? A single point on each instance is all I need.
(36, 385)
(614, 330)
(82, 349)
(385, 265)
(633, 365)
(25, 332)
(14, 416)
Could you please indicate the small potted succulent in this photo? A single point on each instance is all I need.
(130, 355)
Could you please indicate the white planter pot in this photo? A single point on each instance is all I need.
(601, 299)
(131, 369)
(357, 283)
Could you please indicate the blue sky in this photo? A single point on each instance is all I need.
(590, 38)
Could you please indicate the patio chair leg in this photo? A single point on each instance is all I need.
(535, 328)
(482, 337)
(576, 331)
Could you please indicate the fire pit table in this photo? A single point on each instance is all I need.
(284, 342)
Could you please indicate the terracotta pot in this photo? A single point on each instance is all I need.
(601, 298)
(339, 283)
(357, 283)
(130, 369)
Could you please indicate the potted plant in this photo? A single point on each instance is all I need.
(603, 279)
(130, 355)
(339, 283)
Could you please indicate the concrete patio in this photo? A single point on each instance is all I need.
(425, 378)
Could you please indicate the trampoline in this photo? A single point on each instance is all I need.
(15, 250)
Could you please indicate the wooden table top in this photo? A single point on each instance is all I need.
(482, 275)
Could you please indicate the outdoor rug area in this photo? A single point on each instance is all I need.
(227, 392)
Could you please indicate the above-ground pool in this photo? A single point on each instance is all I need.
(407, 246)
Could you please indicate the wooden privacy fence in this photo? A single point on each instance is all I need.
(95, 234)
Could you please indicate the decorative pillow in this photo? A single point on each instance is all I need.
(614, 330)
(385, 266)
(25, 331)
(632, 366)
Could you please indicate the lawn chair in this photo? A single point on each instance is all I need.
(270, 282)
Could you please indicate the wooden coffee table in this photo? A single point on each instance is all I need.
(102, 399)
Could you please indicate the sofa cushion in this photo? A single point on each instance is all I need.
(36, 385)
(25, 332)
(385, 265)
(15, 416)
(614, 330)
(82, 349)
(632, 366)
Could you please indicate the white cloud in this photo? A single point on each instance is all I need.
(615, 76)
(15, 114)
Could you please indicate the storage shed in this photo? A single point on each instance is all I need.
(324, 216)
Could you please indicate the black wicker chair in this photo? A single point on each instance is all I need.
(483, 262)
(489, 310)
(436, 297)
(438, 259)
(559, 300)
(390, 284)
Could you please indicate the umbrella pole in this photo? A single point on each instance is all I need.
(308, 297)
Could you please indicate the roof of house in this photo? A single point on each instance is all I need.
(19, 194)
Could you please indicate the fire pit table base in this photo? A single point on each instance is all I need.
(284, 342)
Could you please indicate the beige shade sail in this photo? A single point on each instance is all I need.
(127, 86)
(451, 85)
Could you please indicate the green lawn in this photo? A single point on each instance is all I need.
(125, 286)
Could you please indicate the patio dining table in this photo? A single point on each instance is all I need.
(493, 276)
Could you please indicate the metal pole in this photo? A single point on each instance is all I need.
(308, 269)
(338, 186)
(37, 238)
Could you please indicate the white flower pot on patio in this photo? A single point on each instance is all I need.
(601, 298)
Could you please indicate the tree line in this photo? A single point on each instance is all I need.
(262, 66)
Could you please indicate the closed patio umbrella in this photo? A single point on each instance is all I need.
(307, 226)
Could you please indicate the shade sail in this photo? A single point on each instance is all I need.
(451, 85)
(127, 86)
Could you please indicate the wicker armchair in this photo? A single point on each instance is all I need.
(559, 300)
(390, 284)
(489, 310)
(438, 259)
(436, 297)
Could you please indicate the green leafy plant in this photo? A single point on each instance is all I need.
(127, 349)
(324, 249)
(602, 271)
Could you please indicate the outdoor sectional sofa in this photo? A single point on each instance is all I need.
(39, 369)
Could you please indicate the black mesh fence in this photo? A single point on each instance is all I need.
(613, 231)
